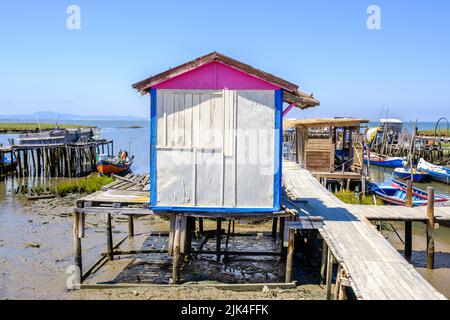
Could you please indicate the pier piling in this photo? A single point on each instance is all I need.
(430, 228)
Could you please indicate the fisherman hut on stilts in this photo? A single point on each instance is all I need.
(216, 145)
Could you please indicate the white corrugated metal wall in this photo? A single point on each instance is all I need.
(215, 148)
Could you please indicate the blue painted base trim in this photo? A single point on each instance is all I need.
(206, 209)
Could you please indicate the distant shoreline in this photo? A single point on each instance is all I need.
(21, 128)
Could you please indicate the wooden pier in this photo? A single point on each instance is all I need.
(355, 254)
(55, 160)
(365, 260)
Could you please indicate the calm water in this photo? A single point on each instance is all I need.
(136, 141)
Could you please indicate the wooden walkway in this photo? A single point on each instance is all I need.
(394, 213)
(374, 268)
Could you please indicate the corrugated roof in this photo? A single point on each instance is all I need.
(291, 92)
(323, 122)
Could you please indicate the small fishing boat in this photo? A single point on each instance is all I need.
(382, 161)
(395, 194)
(419, 192)
(8, 163)
(437, 173)
(119, 165)
(408, 173)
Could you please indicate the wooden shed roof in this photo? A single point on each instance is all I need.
(324, 122)
(291, 92)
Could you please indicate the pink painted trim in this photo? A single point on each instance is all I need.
(215, 76)
(285, 112)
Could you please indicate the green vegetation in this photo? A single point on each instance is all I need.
(86, 185)
(349, 197)
(27, 127)
(442, 132)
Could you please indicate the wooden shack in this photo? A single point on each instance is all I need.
(327, 147)
(216, 136)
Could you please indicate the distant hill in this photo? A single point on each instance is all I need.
(53, 116)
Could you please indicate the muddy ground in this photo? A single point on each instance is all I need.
(36, 251)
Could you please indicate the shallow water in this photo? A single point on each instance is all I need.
(440, 276)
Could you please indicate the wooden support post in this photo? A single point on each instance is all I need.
(274, 228)
(329, 273)
(408, 239)
(430, 228)
(77, 245)
(109, 238)
(290, 257)
(409, 192)
(323, 266)
(218, 237)
(130, 226)
(176, 262)
(337, 286)
(200, 225)
(342, 291)
(281, 237)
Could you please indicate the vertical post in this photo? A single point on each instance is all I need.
(274, 228)
(409, 192)
(200, 225)
(109, 239)
(77, 244)
(408, 239)
(323, 266)
(329, 273)
(337, 286)
(281, 237)
(176, 251)
(130, 226)
(290, 256)
(218, 237)
(430, 228)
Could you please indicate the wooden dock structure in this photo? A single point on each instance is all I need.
(365, 260)
(55, 160)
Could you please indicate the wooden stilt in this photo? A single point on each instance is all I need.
(337, 286)
(430, 228)
(323, 266)
(409, 192)
(408, 239)
(77, 244)
(329, 273)
(200, 225)
(176, 251)
(281, 237)
(290, 257)
(218, 238)
(274, 228)
(109, 238)
(130, 226)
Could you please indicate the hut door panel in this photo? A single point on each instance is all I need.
(255, 149)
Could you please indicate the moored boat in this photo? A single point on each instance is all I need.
(419, 192)
(8, 163)
(437, 173)
(408, 174)
(121, 164)
(395, 195)
(382, 161)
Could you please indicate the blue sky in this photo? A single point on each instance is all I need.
(323, 46)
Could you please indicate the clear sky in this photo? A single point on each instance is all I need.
(323, 46)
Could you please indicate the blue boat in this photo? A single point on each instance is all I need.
(437, 173)
(408, 173)
(8, 163)
(395, 194)
(382, 161)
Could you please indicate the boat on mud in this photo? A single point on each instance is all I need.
(383, 161)
(395, 194)
(120, 164)
(437, 173)
(410, 174)
(8, 163)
